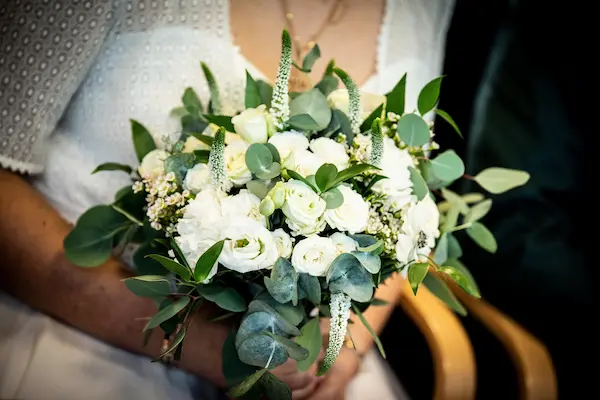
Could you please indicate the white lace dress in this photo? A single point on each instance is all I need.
(72, 74)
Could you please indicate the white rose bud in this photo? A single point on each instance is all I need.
(254, 125)
(283, 242)
(153, 164)
(314, 255)
(344, 244)
(235, 163)
(330, 151)
(352, 216)
(197, 178)
(368, 101)
(250, 247)
(303, 209)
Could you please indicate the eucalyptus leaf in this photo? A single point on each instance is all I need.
(148, 286)
(420, 188)
(440, 255)
(275, 322)
(225, 297)
(112, 166)
(184, 272)
(416, 274)
(90, 242)
(447, 166)
(310, 111)
(369, 261)
(167, 312)
(259, 188)
(142, 140)
(193, 123)
(429, 95)
(266, 92)
(247, 384)
(252, 98)
(441, 290)
(311, 339)
(454, 249)
(234, 370)
(347, 275)
(311, 286)
(455, 200)
(478, 211)
(499, 180)
(333, 198)
(179, 164)
(283, 283)
(192, 102)
(271, 172)
(274, 388)
(482, 236)
(365, 241)
(325, 174)
(310, 58)
(449, 120)
(294, 350)
(258, 157)
(413, 130)
(262, 351)
(274, 152)
(292, 314)
(222, 121)
(327, 84)
(395, 98)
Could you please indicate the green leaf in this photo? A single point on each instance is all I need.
(333, 198)
(225, 297)
(177, 340)
(268, 318)
(311, 340)
(454, 249)
(271, 172)
(178, 253)
(293, 349)
(310, 111)
(294, 175)
(373, 248)
(112, 166)
(440, 255)
(366, 241)
(455, 200)
(261, 350)
(274, 152)
(167, 313)
(274, 388)
(243, 388)
(463, 277)
(482, 236)
(499, 180)
(478, 211)
(395, 98)
(193, 123)
(310, 58)
(292, 314)
(448, 166)
(439, 288)
(368, 260)
(368, 122)
(253, 98)
(179, 164)
(184, 272)
(149, 285)
(234, 370)
(327, 84)
(429, 95)
(416, 274)
(214, 106)
(221, 120)
(283, 283)
(192, 102)
(142, 140)
(90, 242)
(420, 188)
(449, 120)
(201, 156)
(347, 275)
(266, 92)
(351, 172)
(144, 265)
(259, 188)
(258, 157)
(370, 329)
(325, 174)
(207, 261)
(413, 130)
(311, 286)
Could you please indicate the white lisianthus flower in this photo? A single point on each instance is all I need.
(368, 101)
(153, 164)
(197, 178)
(303, 209)
(254, 125)
(283, 242)
(206, 207)
(343, 243)
(330, 151)
(250, 246)
(397, 186)
(304, 162)
(419, 231)
(352, 216)
(235, 163)
(288, 142)
(314, 255)
(243, 204)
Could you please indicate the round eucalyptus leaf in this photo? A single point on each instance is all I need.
(282, 284)
(413, 130)
(311, 287)
(258, 157)
(259, 188)
(448, 166)
(366, 241)
(333, 198)
(259, 350)
(347, 275)
(312, 105)
(292, 314)
(370, 261)
(270, 172)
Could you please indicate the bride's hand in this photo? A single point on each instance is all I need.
(337, 379)
(302, 384)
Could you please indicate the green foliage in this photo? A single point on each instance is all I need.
(368, 122)
(283, 282)
(333, 198)
(311, 287)
(311, 339)
(478, 211)
(420, 188)
(482, 236)
(179, 164)
(439, 288)
(214, 107)
(448, 166)
(181, 270)
(149, 286)
(294, 175)
(310, 111)
(461, 275)
(325, 175)
(413, 130)
(370, 329)
(429, 95)
(441, 249)
(243, 388)
(225, 297)
(368, 259)
(142, 140)
(112, 166)
(168, 312)
(499, 180)
(260, 161)
(349, 173)
(207, 261)
(221, 120)
(327, 84)
(395, 99)
(192, 102)
(446, 117)
(416, 274)
(309, 59)
(347, 275)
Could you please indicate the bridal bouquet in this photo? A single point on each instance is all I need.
(294, 209)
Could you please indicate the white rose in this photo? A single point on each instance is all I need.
(193, 245)
(153, 164)
(303, 209)
(368, 101)
(343, 243)
(314, 255)
(254, 125)
(330, 151)
(243, 204)
(283, 242)
(250, 246)
(235, 163)
(304, 162)
(206, 207)
(192, 144)
(352, 215)
(288, 142)
(397, 186)
(197, 178)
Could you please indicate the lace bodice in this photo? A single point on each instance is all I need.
(72, 74)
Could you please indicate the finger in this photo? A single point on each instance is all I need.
(328, 390)
(305, 392)
(299, 380)
(321, 355)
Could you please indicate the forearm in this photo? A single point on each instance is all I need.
(376, 316)
(93, 300)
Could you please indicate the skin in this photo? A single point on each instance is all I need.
(95, 300)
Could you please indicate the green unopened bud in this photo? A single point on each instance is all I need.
(267, 207)
(277, 195)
